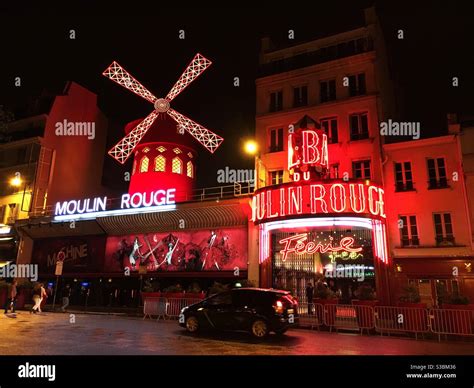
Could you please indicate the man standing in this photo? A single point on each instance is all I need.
(309, 297)
(66, 294)
(11, 297)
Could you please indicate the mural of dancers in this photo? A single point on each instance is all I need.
(211, 250)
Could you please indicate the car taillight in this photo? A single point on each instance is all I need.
(278, 306)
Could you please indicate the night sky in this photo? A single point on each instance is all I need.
(438, 45)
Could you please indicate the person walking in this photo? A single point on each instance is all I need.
(38, 294)
(11, 297)
(66, 294)
(309, 297)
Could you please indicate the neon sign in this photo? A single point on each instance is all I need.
(300, 247)
(308, 198)
(159, 200)
(307, 149)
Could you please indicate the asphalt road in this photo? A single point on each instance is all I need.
(81, 334)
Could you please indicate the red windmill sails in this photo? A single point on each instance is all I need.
(123, 149)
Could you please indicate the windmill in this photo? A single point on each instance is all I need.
(124, 148)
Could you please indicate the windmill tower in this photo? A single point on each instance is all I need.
(164, 157)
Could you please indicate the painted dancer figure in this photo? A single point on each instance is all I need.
(209, 253)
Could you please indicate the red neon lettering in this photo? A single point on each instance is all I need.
(315, 198)
(310, 152)
(360, 198)
(341, 197)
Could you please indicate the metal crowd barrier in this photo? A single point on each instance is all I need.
(390, 319)
(165, 307)
(311, 315)
(349, 317)
(455, 322)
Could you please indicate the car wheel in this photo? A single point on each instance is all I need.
(259, 328)
(192, 324)
(281, 331)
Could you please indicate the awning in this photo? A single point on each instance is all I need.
(187, 216)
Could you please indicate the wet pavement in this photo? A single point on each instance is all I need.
(85, 334)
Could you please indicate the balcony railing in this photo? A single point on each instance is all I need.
(410, 242)
(443, 241)
(434, 184)
(238, 189)
(407, 186)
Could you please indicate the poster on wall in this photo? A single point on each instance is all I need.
(83, 254)
(194, 251)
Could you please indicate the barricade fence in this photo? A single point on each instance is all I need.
(165, 307)
(387, 319)
(381, 319)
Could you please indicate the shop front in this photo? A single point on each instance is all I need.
(318, 230)
(329, 232)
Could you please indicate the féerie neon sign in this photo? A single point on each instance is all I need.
(297, 244)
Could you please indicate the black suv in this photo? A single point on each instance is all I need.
(256, 310)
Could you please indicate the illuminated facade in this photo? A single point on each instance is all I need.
(319, 103)
(405, 208)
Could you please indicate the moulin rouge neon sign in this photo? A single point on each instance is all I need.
(297, 244)
(310, 198)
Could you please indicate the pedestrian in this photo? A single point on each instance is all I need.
(38, 294)
(66, 294)
(36, 298)
(11, 297)
(309, 297)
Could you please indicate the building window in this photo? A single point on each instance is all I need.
(437, 174)
(443, 229)
(177, 166)
(189, 169)
(161, 149)
(177, 151)
(276, 140)
(160, 163)
(409, 231)
(144, 164)
(300, 96)
(357, 85)
(359, 126)
(190, 155)
(327, 90)
(276, 177)
(276, 101)
(361, 169)
(403, 177)
(334, 171)
(145, 150)
(330, 128)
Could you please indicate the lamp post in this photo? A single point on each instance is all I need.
(251, 148)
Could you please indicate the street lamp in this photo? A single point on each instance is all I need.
(15, 181)
(251, 148)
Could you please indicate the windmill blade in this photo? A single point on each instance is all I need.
(194, 69)
(204, 136)
(118, 74)
(123, 149)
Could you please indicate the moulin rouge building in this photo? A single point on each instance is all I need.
(400, 211)
(329, 191)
